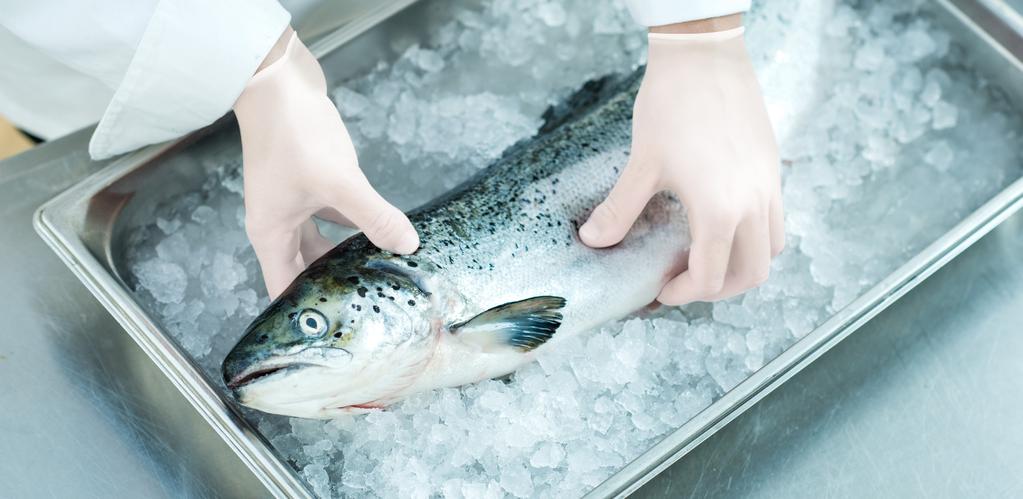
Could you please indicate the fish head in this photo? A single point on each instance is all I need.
(337, 341)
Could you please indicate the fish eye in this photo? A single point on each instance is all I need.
(312, 323)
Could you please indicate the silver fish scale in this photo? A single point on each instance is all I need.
(511, 232)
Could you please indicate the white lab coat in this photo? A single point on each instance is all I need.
(154, 70)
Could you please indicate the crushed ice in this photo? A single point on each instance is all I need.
(870, 106)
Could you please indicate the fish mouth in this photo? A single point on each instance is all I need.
(256, 374)
(279, 365)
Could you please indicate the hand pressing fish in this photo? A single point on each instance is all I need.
(500, 274)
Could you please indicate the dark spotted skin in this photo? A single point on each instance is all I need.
(510, 231)
(504, 204)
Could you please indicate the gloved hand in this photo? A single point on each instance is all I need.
(700, 130)
(299, 161)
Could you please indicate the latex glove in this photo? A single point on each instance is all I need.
(701, 130)
(299, 161)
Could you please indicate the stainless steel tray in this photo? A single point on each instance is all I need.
(923, 401)
(85, 226)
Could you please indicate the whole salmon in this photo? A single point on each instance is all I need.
(500, 273)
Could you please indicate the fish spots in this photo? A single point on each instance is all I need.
(323, 300)
(337, 334)
(358, 308)
(262, 339)
(524, 205)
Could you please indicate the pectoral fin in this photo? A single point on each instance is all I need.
(523, 325)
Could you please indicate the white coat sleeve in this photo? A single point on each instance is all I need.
(191, 63)
(661, 12)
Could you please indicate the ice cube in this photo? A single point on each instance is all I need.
(516, 480)
(944, 115)
(931, 93)
(168, 226)
(429, 60)
(183, 313)
(940, 155)
(203, 214)
(552, 14)
(916, 44)
(351, 103)
(582, 460)
(174, 248)
(494, 401)
(548, 455)
(316, 475)
(164, 280)
(631, 343)
(870, 57)
(225, 273)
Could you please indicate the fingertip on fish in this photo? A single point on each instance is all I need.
(589, 233)
(407, 244)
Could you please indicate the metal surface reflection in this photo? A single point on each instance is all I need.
(85, 412)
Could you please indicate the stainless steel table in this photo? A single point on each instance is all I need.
(73, 423)
(926, 400)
